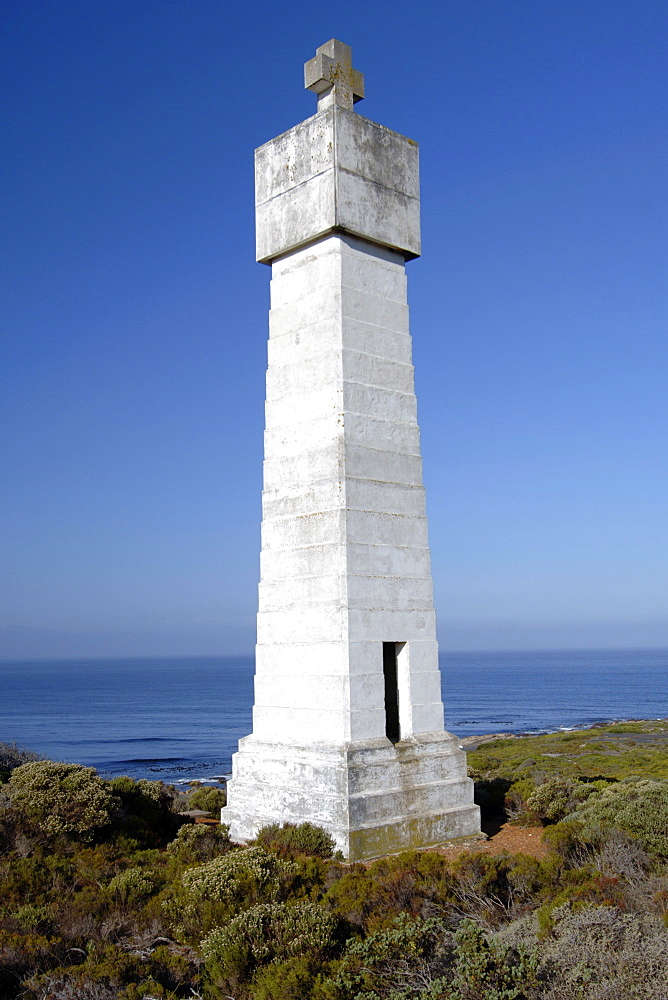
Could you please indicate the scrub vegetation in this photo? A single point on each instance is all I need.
(622, 750)
(110, 891)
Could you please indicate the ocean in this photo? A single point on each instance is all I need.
(179, 720)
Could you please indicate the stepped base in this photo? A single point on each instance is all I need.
(374, 798)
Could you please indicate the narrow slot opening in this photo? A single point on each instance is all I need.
(391, 691)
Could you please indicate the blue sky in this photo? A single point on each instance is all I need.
(133, 314)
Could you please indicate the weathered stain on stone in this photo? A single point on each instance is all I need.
(335, 172)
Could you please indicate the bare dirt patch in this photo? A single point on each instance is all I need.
(503, 839)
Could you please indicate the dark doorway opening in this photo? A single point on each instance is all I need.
(391, 691)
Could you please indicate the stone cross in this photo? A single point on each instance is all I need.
(331, 76)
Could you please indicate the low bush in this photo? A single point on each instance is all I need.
(422, 959)
(556, 798)
(54, 800)
(143, 813)
(209, 799)
(131, 887)
(211, 894)
(297, 978)
(598, 953)
(198, 842)
(487, 968)
(245, 876)
(400, 961)
(515, 802)
(638, 807)
(370, 897)
(21, 953)
(588, 753)
(290, 840)
(107, 894)
(267, 932)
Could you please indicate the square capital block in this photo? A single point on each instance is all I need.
(337, 172)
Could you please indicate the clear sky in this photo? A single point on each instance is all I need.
(133, 315)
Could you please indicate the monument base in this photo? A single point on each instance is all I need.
(374, 798)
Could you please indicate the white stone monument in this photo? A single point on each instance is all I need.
(348, 720)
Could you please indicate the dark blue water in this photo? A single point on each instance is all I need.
(181, 719)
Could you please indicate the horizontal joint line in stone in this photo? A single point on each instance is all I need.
(368, 354)
(276, 494)
(274, 428)
(294, 187)
(377, 184)
(307, 326)
(308, 643)
(365, 479)
(379, 576)
(379, 793)
(342, 573)
(337, 353)
(369, 448)
(379, 419)
(274, 518)
(383, 298)
(381, 451)
(408, 817)
(343, 510)
(356, 413)
(375, 385)
(336, 544)
(358, 479)
(338, 575)
(376, 326)
(322, 794)
(424, 608)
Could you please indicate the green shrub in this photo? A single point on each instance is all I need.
(61, 799)
(557, 797)
(146, 990)
(209, 799)
(34, 917)
(65, 985)
(598, 952)
(197, 842)
(292, 979)
(423, 959)
(238, 876)
(263, 934)
(485, 968)
(390, 963)
(143, 812)
(214, 892)
(20, 954)
(565, 839)
(485, 886)
(291, 840)
(515, 801)
(371, 897)
(37, 880)
(132, 886)
(638, 807)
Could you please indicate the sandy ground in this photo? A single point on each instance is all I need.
(503, 838)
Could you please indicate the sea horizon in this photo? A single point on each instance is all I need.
(443, 650)
(180, 718)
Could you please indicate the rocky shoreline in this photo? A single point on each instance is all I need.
(471, 743)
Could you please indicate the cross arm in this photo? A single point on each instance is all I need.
(331, 76)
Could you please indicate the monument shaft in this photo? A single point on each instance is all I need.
(348, 720)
